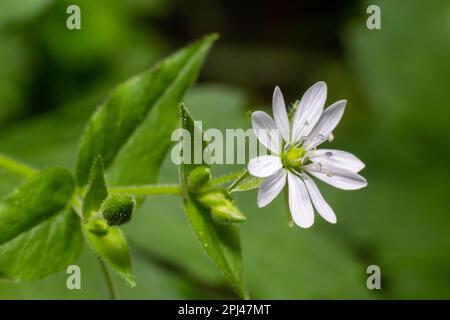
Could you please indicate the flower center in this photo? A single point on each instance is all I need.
(292, 158)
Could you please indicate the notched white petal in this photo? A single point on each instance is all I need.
(280, 114)
(328, 121)
(264, 166)
(336, 177)
(271, 187)
(266, 131)
(299, 202)
(309, 111)
(338, 158)
(322, 207)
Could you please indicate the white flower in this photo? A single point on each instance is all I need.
(294, 156)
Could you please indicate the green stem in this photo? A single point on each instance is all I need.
(228, 177)
(109, 280)
(77, 205)
(15, 166)
(149, 190)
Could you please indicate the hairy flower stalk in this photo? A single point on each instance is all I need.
(295, 157)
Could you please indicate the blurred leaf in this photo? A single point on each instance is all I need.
(15, 72)
(20, 10)
(403, 72)
(42, 196)
(97, 191)
(132, 129)
(38, 236)
(221, 242)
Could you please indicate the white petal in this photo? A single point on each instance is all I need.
(299, 202)
(264, 166)
(338, 158)
(266, 131)
(309, 111)
(280, 114)
(271, 187)
(327, 122)
(335, 176)
(322, 207)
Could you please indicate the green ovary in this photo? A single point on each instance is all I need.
(292, 158)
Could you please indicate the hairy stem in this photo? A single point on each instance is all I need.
(109, 280)
(16, 167)
(149, 190)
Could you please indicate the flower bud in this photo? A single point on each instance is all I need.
(198, 177)
(227, 214)
(222, 208)
(98, 227)
(118, 208)
(213, 198)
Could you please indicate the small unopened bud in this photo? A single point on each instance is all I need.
(213, 198)
(222, 208)
(118, 208)
(227, 214)
(198, 177)
(98, 227)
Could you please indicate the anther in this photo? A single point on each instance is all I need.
(330, 137)
(329, 173)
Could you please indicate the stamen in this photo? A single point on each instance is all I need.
(303, 139)
(319, 166)
(330, 137)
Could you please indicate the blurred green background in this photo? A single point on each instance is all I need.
(397, 121)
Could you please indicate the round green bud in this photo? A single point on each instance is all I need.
(118, 208)
(198, 177)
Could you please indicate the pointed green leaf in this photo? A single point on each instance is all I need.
(221, 242)
(108, 242)
(111, 246)
(132, 129)
(245, 182)
(39, 234)
(97, 191)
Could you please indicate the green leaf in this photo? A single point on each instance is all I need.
(108, 242)
(132, 129)
(97, 191)
(39, 234)
(221, 242)
(245, 182)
